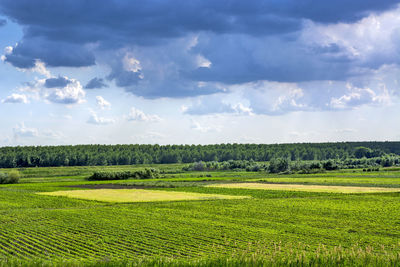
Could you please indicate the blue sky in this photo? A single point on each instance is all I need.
(183, 72)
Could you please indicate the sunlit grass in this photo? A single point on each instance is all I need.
(308, 188)
(136, 195)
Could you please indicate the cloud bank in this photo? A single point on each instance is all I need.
(155, 50)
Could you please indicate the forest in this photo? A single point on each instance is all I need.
(102, 155)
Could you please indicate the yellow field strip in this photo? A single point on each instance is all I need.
(136, 195)
(309, 188)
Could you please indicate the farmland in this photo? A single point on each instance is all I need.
(136, 195)
(307, 188)
(259, 227)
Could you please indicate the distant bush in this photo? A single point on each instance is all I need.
(330, 165)
(235, 165)
(110, 176)
(279, 165)
(10, 178)
(306, 167)
(371, 169)
(198, 166)
(147, 173)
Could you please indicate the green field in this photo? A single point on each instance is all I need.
(270, 227)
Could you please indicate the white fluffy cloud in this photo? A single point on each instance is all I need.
(242, 109)
(40, 68)
(22, 131)
(138, 115)
(271, 98)
(370, 42)
(102, 103)
(97, 120)
(23, 135)
(72, 93)
(16, 98)
(359, 96)
(67, 92)
(216, 104)
(195, 125)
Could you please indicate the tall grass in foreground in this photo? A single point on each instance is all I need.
(337, 256)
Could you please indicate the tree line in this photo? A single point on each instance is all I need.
(92, 155)
(280, 165)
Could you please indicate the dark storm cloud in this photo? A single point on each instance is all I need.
(96, 83)
(241, 59)
(53, 53)
(93, 20)
(60, 82)
(171, 88)
(70, 33)
(124, 78)
(61, 25)
(3, 22)
(336, 11)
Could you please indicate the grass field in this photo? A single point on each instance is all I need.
(272, 228)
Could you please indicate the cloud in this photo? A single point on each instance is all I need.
(21, 131)
(155, 49)
(68, 91)
(52, 53)
(125, 78)
(276, 98)
(72, 93)
(359, 96)
(102, 103)
(155, 72)
(96, 83)
(303, 135)
(215, 104)
(272, 98)
(143, 22)
(3, 22)
(95, 119)
(41, 69)
(16, 98)
(242, 109)
(53, 134)
(138, 115)
(369, 43)
(195, 125)
(57, 82)
(148, 138)
(209, 105)
(241, 59)
(345, 130)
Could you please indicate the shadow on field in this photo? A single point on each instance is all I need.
(115, 186)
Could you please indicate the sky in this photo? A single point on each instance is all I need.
(198, 71)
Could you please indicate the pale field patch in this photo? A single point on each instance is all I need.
(309, 188)
(136, 195)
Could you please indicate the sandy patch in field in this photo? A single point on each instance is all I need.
(136, 195)
(310, 188)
